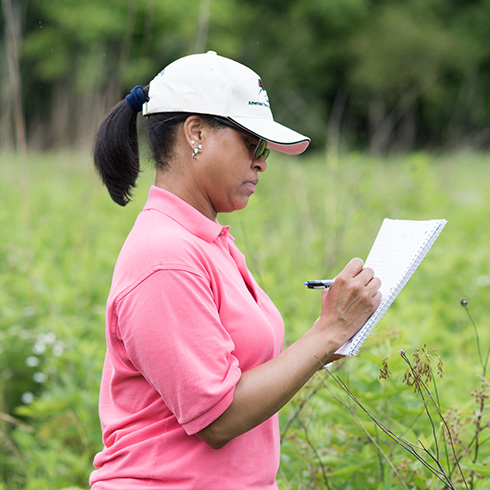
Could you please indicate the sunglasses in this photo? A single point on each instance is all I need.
(261, 149)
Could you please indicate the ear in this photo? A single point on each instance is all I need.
(193, 130)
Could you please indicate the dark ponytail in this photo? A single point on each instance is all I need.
(116, 155)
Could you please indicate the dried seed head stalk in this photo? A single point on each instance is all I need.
(421, 369)
(384, 372)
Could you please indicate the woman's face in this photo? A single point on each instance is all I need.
(228, 171)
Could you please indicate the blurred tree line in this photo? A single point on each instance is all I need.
(375, 74)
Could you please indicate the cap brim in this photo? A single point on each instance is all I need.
(278, 137)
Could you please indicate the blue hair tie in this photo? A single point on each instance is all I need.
(136, 98)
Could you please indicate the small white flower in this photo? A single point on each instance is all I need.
(27, 397)
(483, 281)
(47, 338)
(32, 361)
(29, 311)
(39, 348)
(58, 348)
(39, 377)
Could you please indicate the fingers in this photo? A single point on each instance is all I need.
(356, 288)
(347, 305)
(365, 275)
(353, 267)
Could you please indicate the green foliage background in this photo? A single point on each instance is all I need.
(310, 216)
(390, 73)
(366, 79)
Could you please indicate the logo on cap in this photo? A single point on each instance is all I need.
(261, 85)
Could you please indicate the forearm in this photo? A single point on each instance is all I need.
(264, 390)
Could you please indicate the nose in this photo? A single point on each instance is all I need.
(259, 164)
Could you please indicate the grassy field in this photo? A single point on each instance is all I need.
(61, 234)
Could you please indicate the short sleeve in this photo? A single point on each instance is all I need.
(171, 331)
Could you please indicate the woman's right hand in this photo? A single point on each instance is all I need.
(347, 305)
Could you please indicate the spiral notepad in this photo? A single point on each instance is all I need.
(398, 249)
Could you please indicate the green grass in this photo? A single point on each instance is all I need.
(61, 234)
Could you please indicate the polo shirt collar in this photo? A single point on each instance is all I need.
(190, 218)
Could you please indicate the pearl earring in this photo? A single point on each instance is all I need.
(196, 150)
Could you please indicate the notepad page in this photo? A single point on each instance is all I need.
(397, 251)
(396, 248)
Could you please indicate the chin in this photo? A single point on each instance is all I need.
(234, 205)
(241, 205)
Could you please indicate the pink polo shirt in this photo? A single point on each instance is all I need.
(184, 319)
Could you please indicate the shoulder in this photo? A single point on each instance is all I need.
(158, 242)
(164, 239)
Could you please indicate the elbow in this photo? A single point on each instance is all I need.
(217, 444)
(214, 438)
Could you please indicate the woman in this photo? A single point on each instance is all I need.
(195, 372)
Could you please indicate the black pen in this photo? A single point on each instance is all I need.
(322, 284)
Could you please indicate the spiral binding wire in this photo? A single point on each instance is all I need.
(432, 232)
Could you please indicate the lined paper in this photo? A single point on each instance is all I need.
(397, 251)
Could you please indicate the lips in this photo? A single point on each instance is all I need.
(251, 184)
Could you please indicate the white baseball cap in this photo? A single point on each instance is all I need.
(211, 84)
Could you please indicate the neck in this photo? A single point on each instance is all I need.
(186, 189)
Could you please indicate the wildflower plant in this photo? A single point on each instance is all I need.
(450, 452)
